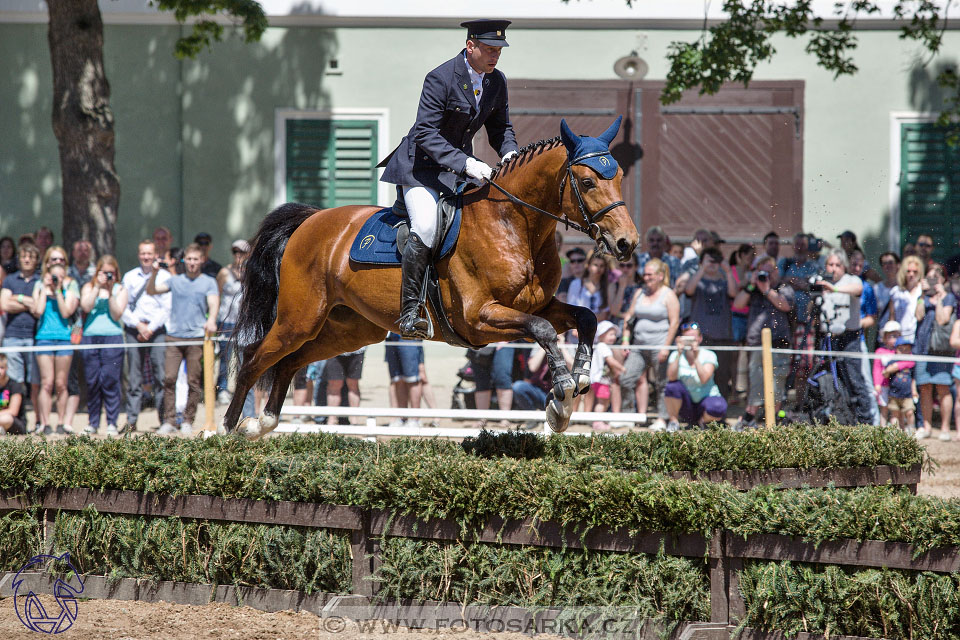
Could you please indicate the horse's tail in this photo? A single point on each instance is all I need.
(261, 278)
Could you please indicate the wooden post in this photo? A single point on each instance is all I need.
(719, 592)
(209, 395)
(769, 407)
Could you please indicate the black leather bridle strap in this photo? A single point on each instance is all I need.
(565, 220)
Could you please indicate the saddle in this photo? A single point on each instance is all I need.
(383, 236)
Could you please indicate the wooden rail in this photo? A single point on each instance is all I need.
(723, 550)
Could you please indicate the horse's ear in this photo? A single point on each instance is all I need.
(570, 139)
(611, 132)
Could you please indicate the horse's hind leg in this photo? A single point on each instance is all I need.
(345, 330)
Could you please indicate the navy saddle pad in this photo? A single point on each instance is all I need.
(376, 243)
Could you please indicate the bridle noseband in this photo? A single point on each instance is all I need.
(592, 229)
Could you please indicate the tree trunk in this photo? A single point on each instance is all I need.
(83, 124)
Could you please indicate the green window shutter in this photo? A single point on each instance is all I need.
(331, 163)
(929, 187)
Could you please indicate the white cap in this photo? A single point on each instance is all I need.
(891, 326)
(605, 326)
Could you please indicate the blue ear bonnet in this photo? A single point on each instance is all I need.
(592, 152)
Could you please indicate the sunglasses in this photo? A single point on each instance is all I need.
(888, 263)
(926, 245)
(686, 326)
(627, 265)
(577, 260)
(57, 259)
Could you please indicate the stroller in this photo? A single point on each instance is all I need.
(463, 396)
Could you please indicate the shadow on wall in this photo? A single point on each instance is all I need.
(230, 97)
(877, 241)
(29, 163)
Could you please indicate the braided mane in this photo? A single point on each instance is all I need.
(523, 153)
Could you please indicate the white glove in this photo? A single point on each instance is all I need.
(477, 170)
(509, 155)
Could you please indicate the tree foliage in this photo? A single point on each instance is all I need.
(248, 13)
(731, 50)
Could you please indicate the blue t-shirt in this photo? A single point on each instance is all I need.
(804, 272)
(189, 310)
(868, 304)
(23, 324)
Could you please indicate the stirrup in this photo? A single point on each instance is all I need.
(415, 327)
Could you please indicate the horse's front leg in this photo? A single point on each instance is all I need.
(562, 317)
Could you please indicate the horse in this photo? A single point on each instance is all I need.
(305, 300)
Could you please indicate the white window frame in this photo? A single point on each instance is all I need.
(898, 118)
(386, 193)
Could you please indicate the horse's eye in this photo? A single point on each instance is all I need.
(588, 183)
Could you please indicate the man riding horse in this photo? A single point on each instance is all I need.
(458, 97)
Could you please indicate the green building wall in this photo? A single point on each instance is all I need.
(195, 139)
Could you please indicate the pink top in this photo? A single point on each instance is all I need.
(743, 310)
(880, 363)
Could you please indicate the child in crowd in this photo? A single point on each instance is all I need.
(604, 370)
(893, 379)
(676, 250)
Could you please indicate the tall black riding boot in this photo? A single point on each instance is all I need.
(416, 257)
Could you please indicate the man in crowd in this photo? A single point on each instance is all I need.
(195, 313)
(796, 272)
(657, 244)
(840, 316)
(162, 240)
(82, 267)
(144, 321)
(43, 239)
(924, 246)
(770, 304)
(691, 394)
(16, 299)
(868, 319)
(771, 245)
(210, 266)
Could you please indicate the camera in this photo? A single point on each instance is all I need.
(815, 279)
(109, 276)
(163, 265)
(54, 280)
(763, 276)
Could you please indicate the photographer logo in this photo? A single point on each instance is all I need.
(67, 587)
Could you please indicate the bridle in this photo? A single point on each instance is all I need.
(592, 229)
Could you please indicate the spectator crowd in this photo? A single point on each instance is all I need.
(673, 321)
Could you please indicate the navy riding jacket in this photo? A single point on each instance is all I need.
(436, 149)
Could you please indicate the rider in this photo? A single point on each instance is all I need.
(458, 97)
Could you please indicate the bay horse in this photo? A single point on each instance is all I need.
(304, 300)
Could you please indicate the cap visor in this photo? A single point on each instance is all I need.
(491, 42)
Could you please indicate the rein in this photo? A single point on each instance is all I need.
(592, 229)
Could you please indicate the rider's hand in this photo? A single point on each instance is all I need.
(477, 170)
(508, 155)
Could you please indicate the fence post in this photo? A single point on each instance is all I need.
(769, 407)
(366, 558)
(209, 395)
(719, 593)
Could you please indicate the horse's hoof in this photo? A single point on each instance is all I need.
(250, 428)
(558, 414)
(222, 430)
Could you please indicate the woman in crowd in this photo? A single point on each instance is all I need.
(889, 266)
(103, 300)
(56, 297)
(657, 312)
(711, 291)
(741, 261)
(229, 279)
(935, 312)
(627, 284)
(592, 290)
(903, 297)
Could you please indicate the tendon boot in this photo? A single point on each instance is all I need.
(416, 257)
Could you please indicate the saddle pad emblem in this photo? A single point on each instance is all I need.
(376, 242)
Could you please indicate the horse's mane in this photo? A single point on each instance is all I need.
(523, 153)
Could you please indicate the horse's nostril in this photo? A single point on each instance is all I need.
(623, 247)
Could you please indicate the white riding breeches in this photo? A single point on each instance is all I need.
(421, 205)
